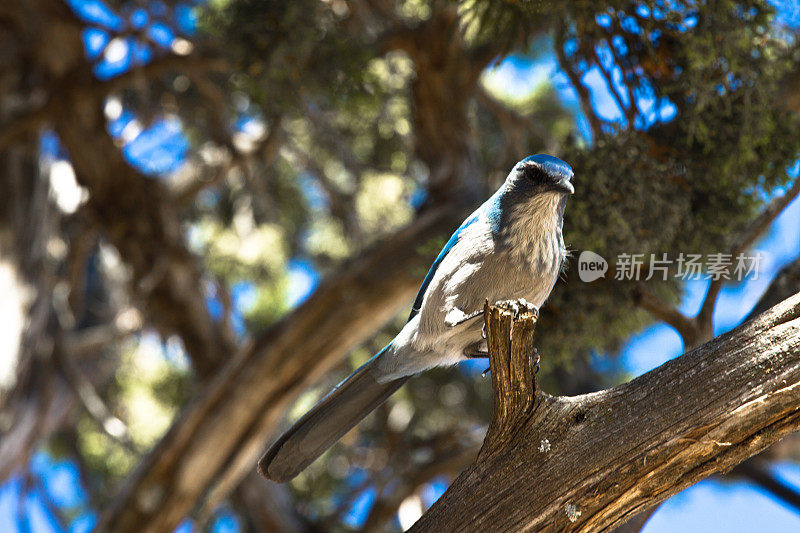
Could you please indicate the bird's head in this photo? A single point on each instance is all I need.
(541, 173)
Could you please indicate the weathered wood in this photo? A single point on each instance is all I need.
(510, 341)
(590, 462)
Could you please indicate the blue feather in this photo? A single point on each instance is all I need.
(491, 210)
(551, 165)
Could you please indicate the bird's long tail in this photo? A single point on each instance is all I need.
(338, 412)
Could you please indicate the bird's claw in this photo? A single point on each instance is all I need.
(519, 306)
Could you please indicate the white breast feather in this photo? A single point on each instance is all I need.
(535, 234)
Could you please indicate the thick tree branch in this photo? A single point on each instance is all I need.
(217, 439)
(591, 462)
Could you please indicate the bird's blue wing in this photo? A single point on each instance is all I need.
(492, 209)
(439, 258)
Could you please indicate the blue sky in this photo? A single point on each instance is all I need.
(161, 148)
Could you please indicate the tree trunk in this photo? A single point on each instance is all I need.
(591, 462)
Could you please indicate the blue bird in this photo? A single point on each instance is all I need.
(510, 248)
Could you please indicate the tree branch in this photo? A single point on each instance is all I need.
(757, 472)
(669, 314)
(700, 328)
(785, 284)
(510, 341)
(768, 215)
(91, 400)
(584, 96)
(591, 462)
(219, 437)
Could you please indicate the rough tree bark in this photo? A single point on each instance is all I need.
(590, 462)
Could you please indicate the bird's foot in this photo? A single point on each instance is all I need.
(519, 306)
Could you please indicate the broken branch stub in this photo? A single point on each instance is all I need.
(509, 336)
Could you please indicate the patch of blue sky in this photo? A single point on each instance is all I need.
(794, 170)
(13, 504)
(141, 54)
(606, 56)
(161, 34)
(160, 149)
(602, 101)
(787, 472)
(359, 510)
(312, 192)
(603, 20)
(618, 42)
(96, 12)
(244, 295)
(732, 507)
(433, 491)
(61, 480)
(138, 18)
(788, 12)
(569, 99)
(250, 125)
(217, 310)
(116, 126)
(418, 197)
(653, 109)
(215, 307)
(630, 25)
(84, 523)
(49, 147)
(185, 527)
(116, 60)
(186, 18)
(517, 77)
(303, 279)
(40, 519)
(95, 41)
(226, 522)
(651, 348)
